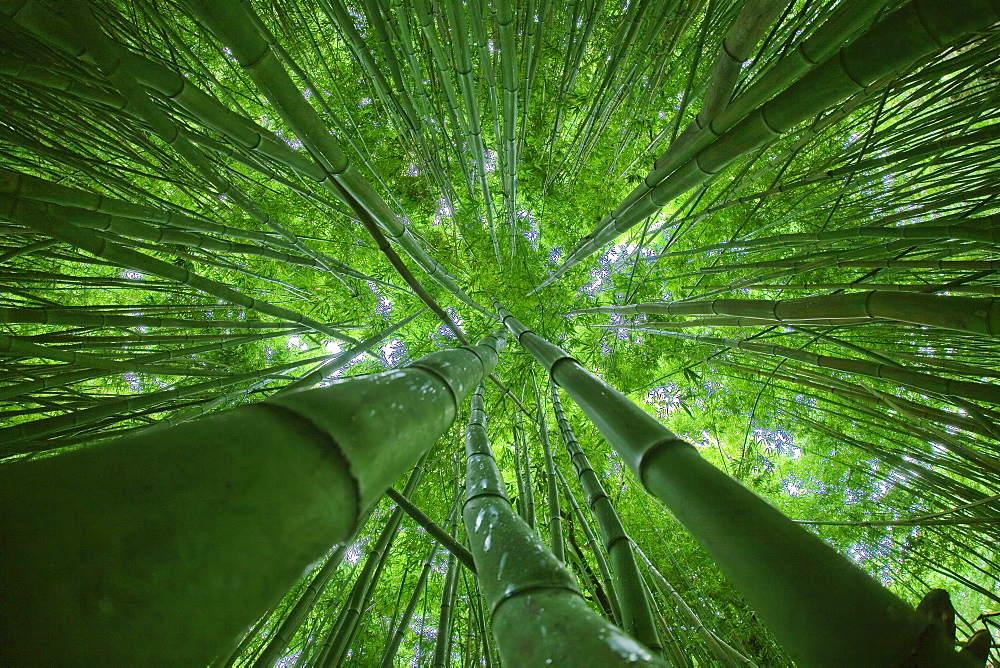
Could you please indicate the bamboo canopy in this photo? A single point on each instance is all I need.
(707, 290)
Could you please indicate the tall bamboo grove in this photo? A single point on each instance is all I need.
(426, 333)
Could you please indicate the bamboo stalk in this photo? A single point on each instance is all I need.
(750, 541)
(267, 489)
(538, 615)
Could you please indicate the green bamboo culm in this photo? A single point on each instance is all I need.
(637, 617)
(609, 603)
(552, 490)
(436, 531)
(537, 614)
(824, 611)
(442, 644)
(961, 314)
(191, 533)
(389, 656)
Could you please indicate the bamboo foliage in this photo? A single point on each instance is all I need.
(207, 382)
(857, 66)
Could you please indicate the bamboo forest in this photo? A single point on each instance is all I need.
(495, 332)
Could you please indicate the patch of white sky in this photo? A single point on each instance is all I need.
(134, 382)
(444, 212)
(598, 278)
(384, 306)
(335, 348)
(611, 259)
(131, 275)
(533, 232)
(703, 439)
(440, 563)
(614, 468)
(881, 552)
(394, 351)
(777, 440)
(796, 485)
(354, 553)
(626, 333)
(854, 495)
(665, 399)
(296, 343)
(803, 399)
(853, 138)
(793, 487)
(443, 330)
(426, 628)
(289, 660)
(295, 143)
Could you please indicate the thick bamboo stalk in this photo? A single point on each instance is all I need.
(190, 533)
(744, 33)
(825, 611)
